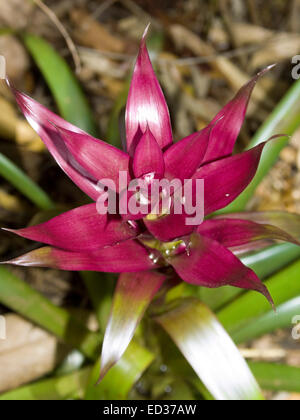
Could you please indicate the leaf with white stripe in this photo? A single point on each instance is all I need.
(210, 351)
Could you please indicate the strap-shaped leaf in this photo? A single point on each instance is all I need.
(121, 378)
(283, 286)
(210, 351)
(276, 377)
(18, 296)
(269, 322)
(136, 358)
(54, 389)
(65, 88)
(13, 174)
(132, 296)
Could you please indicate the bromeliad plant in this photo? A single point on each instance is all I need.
(153, 251)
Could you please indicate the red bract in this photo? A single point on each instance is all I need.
(149, 249)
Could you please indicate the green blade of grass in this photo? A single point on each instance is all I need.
(65, 88)
(269, 322)
(24, 184)
(283, 286)
(21, 298)
(135, 360)
(52, 389)
(285, 119)
(100, 288)
(122, 377)
(114, 124)
(275, 377)
(209, 350)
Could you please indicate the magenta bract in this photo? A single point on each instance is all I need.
(203, 255)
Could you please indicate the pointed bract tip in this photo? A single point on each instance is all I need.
(11, 86)
(61, 130)
(101, 377)
(146, 32)
(12, 261)
(266, 70)
(104, 371)
(147, 129)
(267, 294)
(272, 66)
(8, 230)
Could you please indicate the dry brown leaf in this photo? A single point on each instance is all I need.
(8, 119)
(14, 128)
(245, 33)
(101, 65)
(15, 13)
(289, 155)
(217, 34)
(17, 60)
(132, 26)
(6, 92)
(10, 202)
(27, 353)
(280, 47)
(201, 82)
(90, 33)
(114, 87)
(171, 76)
(27, 137)
(204, 108)
(184, 38)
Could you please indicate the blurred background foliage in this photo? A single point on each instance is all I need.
(75, 57)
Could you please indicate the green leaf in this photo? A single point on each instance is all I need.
(272, 259)
(100, 287)
(20, 297)
(65, 88)
(133, 294)
(283, 286)
(136, 358)
(209, 350)
(285, 119)
(269, 322)
(24, 184)
(121, 378)
(114, 124)
(57, 388)
(275, 377)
